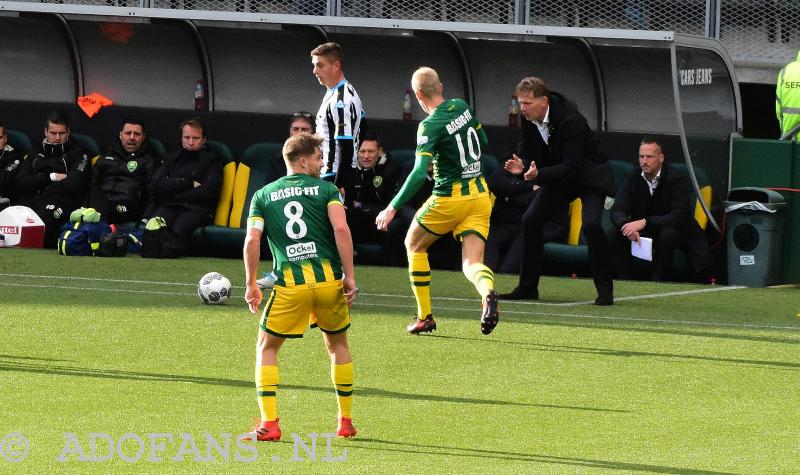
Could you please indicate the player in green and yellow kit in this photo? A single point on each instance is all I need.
(461, 204)
(304, 220)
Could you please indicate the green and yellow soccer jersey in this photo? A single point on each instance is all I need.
(294, 212)
(454, 140)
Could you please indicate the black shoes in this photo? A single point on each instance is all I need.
(491, 313)
(521, 293)
(604, 300)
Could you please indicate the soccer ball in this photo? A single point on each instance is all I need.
(214, 288)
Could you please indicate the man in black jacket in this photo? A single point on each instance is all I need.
(368, 189)
(186, 187)
(560, 153)
(54, 181)
(120, 189)
(655, 203)
(10, 163)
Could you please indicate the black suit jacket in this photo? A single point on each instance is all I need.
(668, 207)
(571, 156)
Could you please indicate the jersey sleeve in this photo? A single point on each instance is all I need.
(426, 141)
(255, 218)
(332, 194)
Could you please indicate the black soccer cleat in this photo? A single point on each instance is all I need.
(419, 326)
(491, 313)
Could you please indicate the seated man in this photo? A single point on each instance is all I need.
(654, 202)
(54, 180)
(513, 195)
(10, 162)
(186, 187)
(299, 122)
(368, 189)
(119, 186)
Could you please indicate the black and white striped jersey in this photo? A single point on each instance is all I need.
(339, 120)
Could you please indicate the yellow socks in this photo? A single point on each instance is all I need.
(419, 272)
(481, 277)
(342, 377)
(266, 386)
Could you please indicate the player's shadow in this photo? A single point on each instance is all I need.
(630, 354)
(8, 364)
(428, 449)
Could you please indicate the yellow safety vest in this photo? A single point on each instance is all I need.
(787, 97)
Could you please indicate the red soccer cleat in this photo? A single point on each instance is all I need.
(266, 431)
(346, 428)
(419, 326)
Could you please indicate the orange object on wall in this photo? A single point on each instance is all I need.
(92, 103)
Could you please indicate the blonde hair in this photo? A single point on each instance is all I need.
(426, 81)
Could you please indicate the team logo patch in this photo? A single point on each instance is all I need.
(340, 105)
(422, 139)
(377, 181)
(132, 165)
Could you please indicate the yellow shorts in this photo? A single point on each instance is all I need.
(460, 215)
(289, 310)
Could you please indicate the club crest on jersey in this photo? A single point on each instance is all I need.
(132, 165)
(377, 181)
(340, 105)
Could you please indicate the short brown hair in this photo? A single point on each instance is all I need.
(195, 123)
(535, 85)
(426, 81)
(331, 51)
(301, 145)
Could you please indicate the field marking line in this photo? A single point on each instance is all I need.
(584, 302)
(598, 317)
(370, 304)
(720, 288)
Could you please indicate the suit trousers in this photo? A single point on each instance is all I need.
(549, 199)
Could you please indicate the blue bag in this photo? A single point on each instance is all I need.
(81, 239)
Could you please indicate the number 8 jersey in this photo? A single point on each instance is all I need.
(293, 212)
(454, 139)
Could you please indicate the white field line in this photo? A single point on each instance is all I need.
(406, 296)
(593, 317)
(372, 304)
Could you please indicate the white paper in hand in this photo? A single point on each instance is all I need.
(643, 249)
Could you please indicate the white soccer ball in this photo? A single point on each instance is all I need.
(214, 288)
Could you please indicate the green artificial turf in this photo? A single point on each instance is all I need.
(702, 379)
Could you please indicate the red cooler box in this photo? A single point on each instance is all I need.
(21, 227)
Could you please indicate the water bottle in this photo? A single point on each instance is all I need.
(199, 96)
(407, 105)
(513, 112)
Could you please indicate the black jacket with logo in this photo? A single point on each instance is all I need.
(373, 188)
(33, 179)
(10, 163)
(124, 176)
(173, 182)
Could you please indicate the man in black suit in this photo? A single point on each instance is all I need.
(560, 152)
(655, 203)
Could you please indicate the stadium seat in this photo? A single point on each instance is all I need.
(89, 143)
(402, 156)
(19, 141)
(251, 175)
(158, 147)
(705, 192)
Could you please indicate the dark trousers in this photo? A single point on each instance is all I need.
(182, 221)
(665, 242)
(54, 212)
(504, 248)
(547, 201)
